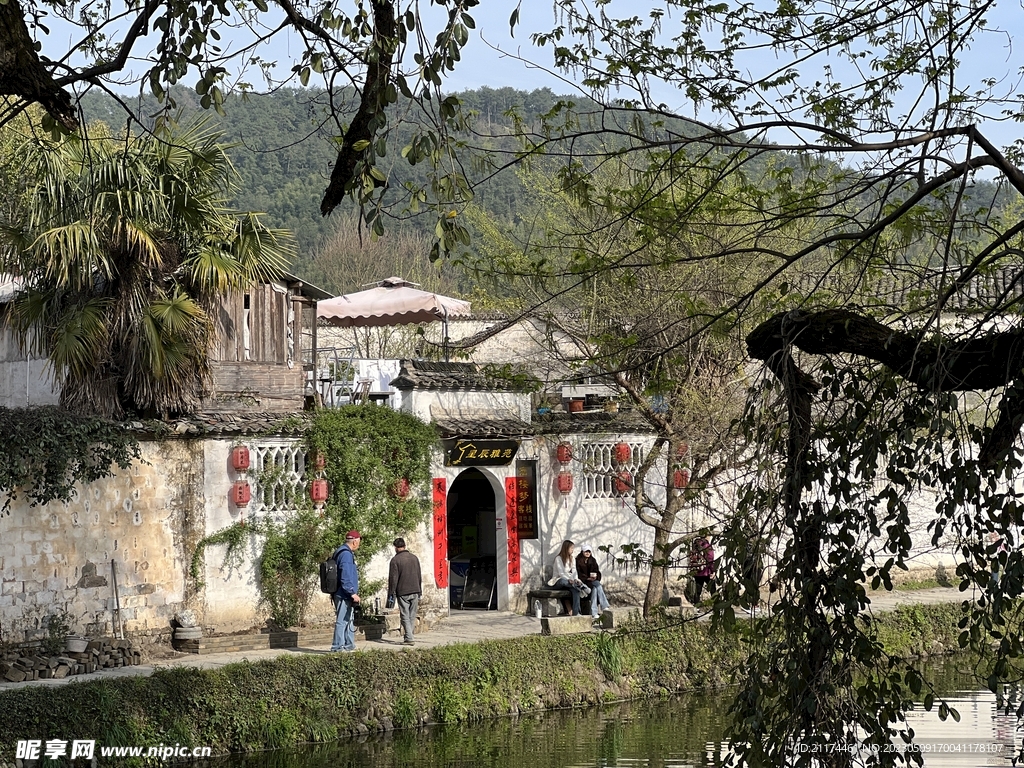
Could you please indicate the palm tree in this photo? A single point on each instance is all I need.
(124, 250)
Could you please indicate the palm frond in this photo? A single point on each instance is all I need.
(140, 228)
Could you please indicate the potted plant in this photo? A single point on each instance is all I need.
(373, 626)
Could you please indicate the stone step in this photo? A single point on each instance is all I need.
(566, 625)
(233, 643)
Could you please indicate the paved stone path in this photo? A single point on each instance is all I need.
(459, 627)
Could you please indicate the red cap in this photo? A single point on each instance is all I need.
(353, 534)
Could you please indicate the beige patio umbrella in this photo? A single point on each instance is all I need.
(393, 301)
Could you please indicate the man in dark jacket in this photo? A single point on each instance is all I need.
(406, 584)
(347, 597)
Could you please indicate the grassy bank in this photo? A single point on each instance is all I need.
(322, 697)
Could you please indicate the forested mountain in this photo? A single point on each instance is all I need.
(284, 153)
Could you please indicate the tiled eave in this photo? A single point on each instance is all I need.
(592, 422)
(428, 375)
(223, 425)
(448, 428)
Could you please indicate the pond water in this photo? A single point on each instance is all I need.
(684, 731)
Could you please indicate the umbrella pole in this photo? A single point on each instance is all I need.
(444, 333)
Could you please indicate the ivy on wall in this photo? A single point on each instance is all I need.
(368, 451)
(48, 450)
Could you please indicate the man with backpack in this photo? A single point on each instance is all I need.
(346, 598)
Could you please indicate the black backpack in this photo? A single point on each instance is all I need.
(329, 574)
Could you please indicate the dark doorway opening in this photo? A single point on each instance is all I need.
(472, 544)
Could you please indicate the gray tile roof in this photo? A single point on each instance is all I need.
(428, 375)
(223, 425)
(590, 422)
(484, 428)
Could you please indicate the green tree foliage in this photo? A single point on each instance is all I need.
(622, 299)
(367, 451)
(281, 145)
(892, 340)
(125, 249)
(383, 51)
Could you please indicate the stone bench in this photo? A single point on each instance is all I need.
(553, 602)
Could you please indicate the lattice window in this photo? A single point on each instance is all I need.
(599, 468)
(280, 476)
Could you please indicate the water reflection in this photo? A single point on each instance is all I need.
(985, 736)
(682, 732)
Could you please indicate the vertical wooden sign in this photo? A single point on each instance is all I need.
(440, 515)
(512, 527)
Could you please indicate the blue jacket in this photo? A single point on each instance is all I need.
(348, 576)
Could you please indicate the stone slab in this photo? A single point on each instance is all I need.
(565, 625)
(613, 618)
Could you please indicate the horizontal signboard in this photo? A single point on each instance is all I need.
(481, 453)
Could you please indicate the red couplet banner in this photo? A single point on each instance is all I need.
(512, 527)
(440, 516)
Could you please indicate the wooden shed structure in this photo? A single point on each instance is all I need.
(264, 347)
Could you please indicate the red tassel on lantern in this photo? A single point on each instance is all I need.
(564, 482)
(623, 482)
(622, 453)
(240, 457)
(399, 489)
(680, 479)
(241, 493)
(318, 491)
(564, 453)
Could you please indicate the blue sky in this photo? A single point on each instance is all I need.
(489, 59)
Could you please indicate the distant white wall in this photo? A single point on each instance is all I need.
(25, 380)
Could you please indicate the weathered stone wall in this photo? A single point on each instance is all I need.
(147, 521)
(143, 522)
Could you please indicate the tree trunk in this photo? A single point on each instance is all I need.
(982, 361)
(23, 75)
(372, 105)
(657, 584)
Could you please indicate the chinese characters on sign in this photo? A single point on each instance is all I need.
(511, 514)
(481, 453)
(440, 518)
(526, 499)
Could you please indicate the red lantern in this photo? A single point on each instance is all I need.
(680, 479)
(681, 450)
(622, 453)
(399, 489)
(241, 493)
(623, 482)
(318, 491)
(564, 453)
(564, 482)
(240, 457)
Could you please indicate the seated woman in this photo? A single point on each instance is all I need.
(590, 574)
(564, 576)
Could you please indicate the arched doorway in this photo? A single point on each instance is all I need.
(472, 542)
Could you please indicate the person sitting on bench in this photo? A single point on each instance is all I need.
(590, 574)
(564, 576)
